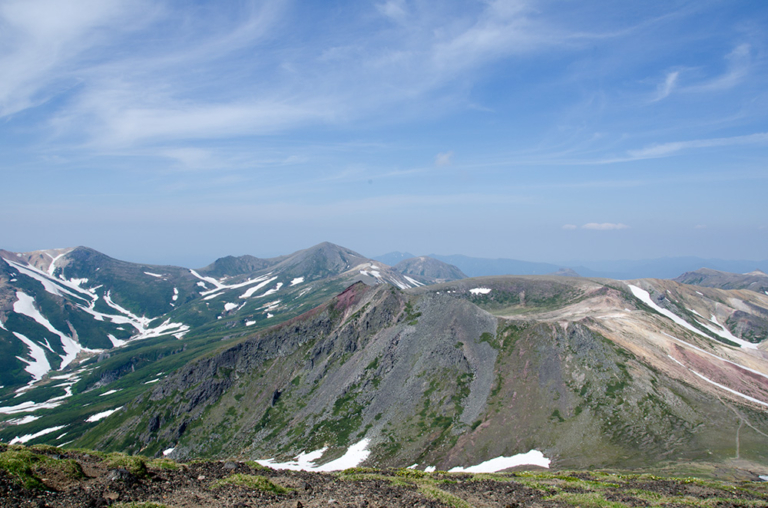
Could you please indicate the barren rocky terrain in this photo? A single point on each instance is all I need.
(45, 476)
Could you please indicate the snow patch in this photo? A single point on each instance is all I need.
(430, 469)
(355, 455)
(115, 341)
(168, 451)
(103, 414)
(153, 274)
(229, 306)
(250, 323)
(480, 291)
(30, 437)
(28, 407)
(39, 365)
(152, 381)
(532, 458)
(110, 392)
(297, 280)
(252, 290)
(175, 294)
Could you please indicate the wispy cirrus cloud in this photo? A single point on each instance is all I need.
(739, 62)
(665, 88)
(668, 149)
(443, 159)
(46, 42)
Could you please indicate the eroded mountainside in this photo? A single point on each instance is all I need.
(594, 373)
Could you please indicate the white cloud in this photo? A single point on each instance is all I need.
(443, 159)
(700, 226)
(569, 226)
(605, 226)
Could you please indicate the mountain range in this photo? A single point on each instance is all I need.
(660, 268)
(326, 350)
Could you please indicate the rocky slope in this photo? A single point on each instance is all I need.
(593, 373)
(82, 478)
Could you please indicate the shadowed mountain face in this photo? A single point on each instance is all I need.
(429, 270)
(592, 373)
(754, 281)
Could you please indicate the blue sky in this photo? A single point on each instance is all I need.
(178, 132)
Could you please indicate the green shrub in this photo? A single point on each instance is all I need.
(252, 482)
(132, 463)
(22, 464)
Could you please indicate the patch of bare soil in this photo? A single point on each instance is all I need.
(105, 482)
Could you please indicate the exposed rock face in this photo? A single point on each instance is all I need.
(580, 370)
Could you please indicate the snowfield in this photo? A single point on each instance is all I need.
(532, 458)
(30, 437)
(355, 455)
(103, 414)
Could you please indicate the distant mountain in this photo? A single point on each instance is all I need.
(393, 258)
(479, 267)
(565, 272)
(429, 270)
(230, 266)
(755, 280)
(661, 268)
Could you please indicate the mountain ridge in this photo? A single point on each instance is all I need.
(327, 349)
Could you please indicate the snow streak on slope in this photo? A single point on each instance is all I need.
(102, 415)
(142, 323)
(52, 266)
(252, 290)
(413, 281)
(39, 365)
(220, 287)
(25, 305)
(30, 437)
(42, 278)
(645, 297)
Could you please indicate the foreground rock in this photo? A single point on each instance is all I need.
(52, 477)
